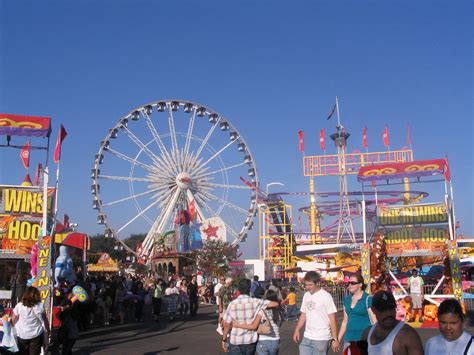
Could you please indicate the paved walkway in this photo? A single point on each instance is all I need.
(183, 336)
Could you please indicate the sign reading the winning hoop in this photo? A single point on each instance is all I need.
(412, 214)
(416, 241)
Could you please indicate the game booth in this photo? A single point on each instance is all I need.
(413, 235)
(36, 249)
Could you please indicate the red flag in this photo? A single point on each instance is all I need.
(385, 136)
(301, 135)
(25, 155)
(374, 185)
(57, 150)
(192, 210)
(38, 173)
(364, 138)
(409, 136)
(321, 139)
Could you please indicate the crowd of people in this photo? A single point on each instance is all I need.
(250, 314)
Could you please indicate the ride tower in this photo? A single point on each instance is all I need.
(345, 228)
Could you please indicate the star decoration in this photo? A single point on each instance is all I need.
(211, 231)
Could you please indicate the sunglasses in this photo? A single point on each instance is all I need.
(353, 283)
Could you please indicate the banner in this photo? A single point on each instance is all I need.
(417, 168)
(455, 269)
(365, 266)
(20, 125)
(44, 272)
(21, 213)
(412, 214)
(416, 241)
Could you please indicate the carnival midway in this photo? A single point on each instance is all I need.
(185, 172)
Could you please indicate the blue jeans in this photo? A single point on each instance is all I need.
(292, 312)
(314, 347)
(268, 347)
(242, 349)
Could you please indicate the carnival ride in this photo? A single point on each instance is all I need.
(174, 165)
(383, 250)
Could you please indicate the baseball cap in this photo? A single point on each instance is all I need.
(383, 300)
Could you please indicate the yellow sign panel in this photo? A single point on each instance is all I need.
(412, 214)
(21, 213)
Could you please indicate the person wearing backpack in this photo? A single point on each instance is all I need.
(256, 290)
(268, 343)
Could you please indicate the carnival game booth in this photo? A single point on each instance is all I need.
(412, 235)
(105, 264)
(21, 206)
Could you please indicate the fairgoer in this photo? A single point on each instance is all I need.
(452, 340)
(357, 313)
(28, 318)
(243, 310)
(318, 316)
(388, 335)
(415, 284)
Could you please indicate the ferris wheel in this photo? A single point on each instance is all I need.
(167, 156)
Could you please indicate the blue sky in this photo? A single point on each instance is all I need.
(270, 67)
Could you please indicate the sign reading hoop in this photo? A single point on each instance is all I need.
(416, 241)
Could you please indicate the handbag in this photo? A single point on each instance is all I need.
(264, 327)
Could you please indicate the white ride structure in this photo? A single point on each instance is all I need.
(167, 156)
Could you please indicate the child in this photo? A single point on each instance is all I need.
(291, 310)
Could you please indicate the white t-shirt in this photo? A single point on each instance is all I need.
(317, 307)
(415, 283)
(438, 345)
(30, 323)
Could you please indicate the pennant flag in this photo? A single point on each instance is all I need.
(301, 136)
(38, 173)
(25, 155)
(321, 139)
(364, 138)
(57, 150)
(385, 136)
(409, 135)
(192, 210)
(332, 111)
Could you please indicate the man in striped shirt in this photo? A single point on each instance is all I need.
(243, 310)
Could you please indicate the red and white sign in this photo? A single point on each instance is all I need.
(213, 228)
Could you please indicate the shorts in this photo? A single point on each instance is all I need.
(416, 300)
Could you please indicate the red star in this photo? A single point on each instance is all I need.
(211, 231)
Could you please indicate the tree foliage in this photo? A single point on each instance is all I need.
(214, 257)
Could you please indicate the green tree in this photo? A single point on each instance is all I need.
(214, 257)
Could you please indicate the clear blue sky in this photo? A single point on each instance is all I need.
(271, 67)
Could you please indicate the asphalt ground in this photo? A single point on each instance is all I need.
(182, 336)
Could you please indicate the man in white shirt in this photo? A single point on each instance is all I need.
(318, 313)
(415, 284)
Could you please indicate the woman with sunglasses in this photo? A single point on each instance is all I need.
(357, 313)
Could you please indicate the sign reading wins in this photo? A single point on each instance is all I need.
(21, 212)
(412, 214)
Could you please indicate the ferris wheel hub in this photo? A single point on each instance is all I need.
(184, 181)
